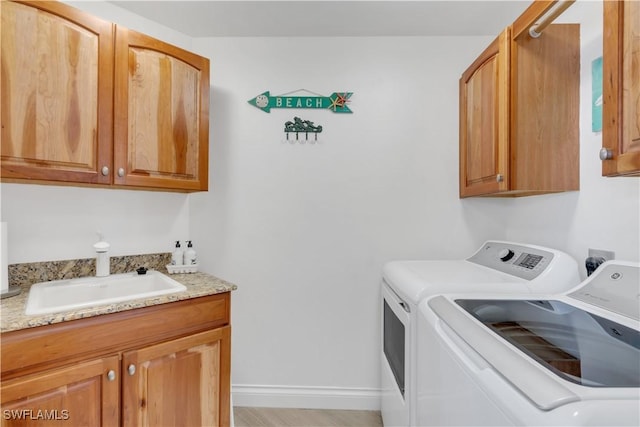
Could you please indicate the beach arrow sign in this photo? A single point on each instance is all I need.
(336, 102)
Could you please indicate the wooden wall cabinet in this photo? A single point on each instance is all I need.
(161, 114)
(88, 102)
(620, 152)
(519, 112)
(484, 120)
(57, 90)
(157, 366)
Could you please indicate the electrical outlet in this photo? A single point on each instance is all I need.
(599, 253)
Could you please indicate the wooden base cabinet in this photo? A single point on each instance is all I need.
(166, 365)
(620, 152)
(86, 394)
(519, 111)
(178, 382)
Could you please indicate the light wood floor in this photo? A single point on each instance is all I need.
(278, 417)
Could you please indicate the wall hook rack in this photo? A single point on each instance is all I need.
(299, 126)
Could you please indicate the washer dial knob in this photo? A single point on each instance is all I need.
(505, 255)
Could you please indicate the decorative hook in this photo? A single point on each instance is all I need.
(298, 125)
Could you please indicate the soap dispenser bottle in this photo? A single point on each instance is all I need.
(177, 255)
(102, 257)
(190, 254)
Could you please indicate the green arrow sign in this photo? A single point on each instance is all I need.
(336, 102)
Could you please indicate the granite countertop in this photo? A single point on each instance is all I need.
(13, 317)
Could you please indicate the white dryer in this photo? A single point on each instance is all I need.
(570, 359)
(504, 267)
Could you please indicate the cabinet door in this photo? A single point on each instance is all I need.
(484, 121)
(79, 395)
(57, 86)
(184, 382)
(621, 88)
(161, 114)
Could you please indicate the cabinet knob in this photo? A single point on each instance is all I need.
(105, 170)
(131, 369)
(111, 375)
(606, 154)
(499, 178)
(121, 172)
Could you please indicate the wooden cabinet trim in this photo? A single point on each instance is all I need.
(108, 333)
(611, 78)
(166, 347)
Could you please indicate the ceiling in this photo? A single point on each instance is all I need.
(328, 18)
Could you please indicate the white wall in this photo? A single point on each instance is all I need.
(304, 229)
(48, 223)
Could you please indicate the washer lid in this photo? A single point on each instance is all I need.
(543, 391)
(415, 279)
(497, 267)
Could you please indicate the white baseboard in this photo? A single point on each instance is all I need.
(305, 397)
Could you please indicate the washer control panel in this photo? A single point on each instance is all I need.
(522, 261)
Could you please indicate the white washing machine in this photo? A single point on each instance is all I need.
(570, 359)
(504, 267)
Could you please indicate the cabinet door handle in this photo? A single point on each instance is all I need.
(121, 172)
(606, 154)
(499, 178)
(131, 369)
(111, 375)
(105, 170)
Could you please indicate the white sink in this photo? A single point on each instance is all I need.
(72, 294)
